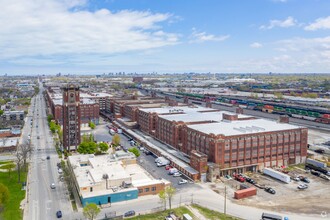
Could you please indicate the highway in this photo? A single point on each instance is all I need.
(42, 201)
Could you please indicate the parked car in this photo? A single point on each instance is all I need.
(129, 213)
(324, 176)
(148, 152)
(249, 180)
(167, 167)
(177, 174)
(183, 181)
(52, 186)
(270, 190)
(304, 179)
(60, 171)
(38, 137)
(48, 157)
(316, 173)
(59, 214)
(228, 177)
(303, 186)
(239, 178)
(320, 151)
(295, 179)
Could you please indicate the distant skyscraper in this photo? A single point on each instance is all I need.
(71, 117)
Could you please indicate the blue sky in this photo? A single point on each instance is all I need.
(222, 36)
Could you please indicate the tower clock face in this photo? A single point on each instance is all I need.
(71, 97)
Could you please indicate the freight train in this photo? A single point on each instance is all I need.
(311, 114)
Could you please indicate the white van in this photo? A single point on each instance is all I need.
(112, 132)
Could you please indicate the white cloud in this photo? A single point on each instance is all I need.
(256, 45)
(320, 23)
(289, 22)
(198, 37)
(54, 28)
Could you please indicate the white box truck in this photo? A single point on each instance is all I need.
(277, 175)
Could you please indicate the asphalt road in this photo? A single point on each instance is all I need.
(44, 202)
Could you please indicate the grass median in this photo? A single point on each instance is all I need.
(212, 215)
(161, 215)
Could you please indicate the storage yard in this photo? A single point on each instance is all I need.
(288, 197)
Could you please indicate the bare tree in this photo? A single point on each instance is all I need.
(26, 150)
(19, 161)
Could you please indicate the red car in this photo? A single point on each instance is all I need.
(239, 178)
(167, 167)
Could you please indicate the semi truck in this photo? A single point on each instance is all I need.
(277, 175)
(318, 166)
(316, 163)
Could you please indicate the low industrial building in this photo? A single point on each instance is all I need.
(110, 178)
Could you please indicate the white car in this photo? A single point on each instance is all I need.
(183, 181)
(60, 171)
(177, 174)
(302, 186)
(52, 186)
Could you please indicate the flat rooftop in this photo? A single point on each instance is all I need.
(176, 109)
(200, 116)
(229, 128)
(89, 171)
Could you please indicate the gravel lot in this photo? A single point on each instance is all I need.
(288, 198)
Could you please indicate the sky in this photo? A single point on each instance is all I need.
(164, 36)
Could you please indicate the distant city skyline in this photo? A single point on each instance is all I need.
(142, 36)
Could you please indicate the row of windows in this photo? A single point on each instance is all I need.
(147, 189)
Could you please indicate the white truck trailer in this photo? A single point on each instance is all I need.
(277, 175)
(316, 163)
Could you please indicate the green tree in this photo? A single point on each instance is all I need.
(4, 194)
(1, 112)
(87, 148)
(91, 125)
(163, 197)
(91, 211)
(135, 151)
(116, 140)
(91, 137)
(50, 118)
(103, 147)
(170, 192)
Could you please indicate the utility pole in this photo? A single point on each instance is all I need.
(192, 198)
(225, 203)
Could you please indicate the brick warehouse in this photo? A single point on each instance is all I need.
(232, 142)
(240, 146)
(90, 109)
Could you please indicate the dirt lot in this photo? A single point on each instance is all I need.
(288, 198)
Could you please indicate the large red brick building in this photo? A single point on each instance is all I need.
(90, 109)
(232, 142)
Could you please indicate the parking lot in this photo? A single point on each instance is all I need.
(148, 163)
(313, 200)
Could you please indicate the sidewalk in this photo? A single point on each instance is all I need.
(196, 213)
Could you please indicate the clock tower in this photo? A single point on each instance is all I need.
(71, 117)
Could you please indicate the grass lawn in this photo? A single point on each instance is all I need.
(161, 215)
(213, 215)
(16, 195)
